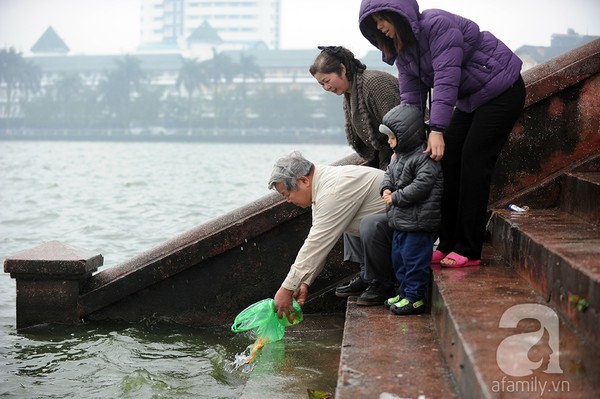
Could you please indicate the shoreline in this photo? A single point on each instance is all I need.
(312, 136)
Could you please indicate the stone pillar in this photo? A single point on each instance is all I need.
(49, 278)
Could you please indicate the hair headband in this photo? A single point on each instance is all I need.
(331, 50)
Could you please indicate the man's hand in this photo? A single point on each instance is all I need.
(283, 302)
(284, 299)
(301, 294)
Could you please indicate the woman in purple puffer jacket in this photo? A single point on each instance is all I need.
(477, 94)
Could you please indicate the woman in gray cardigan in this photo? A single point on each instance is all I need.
(368, 96)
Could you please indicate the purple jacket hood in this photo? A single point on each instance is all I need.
(464, 67)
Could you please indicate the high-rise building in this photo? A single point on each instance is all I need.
(240, 24)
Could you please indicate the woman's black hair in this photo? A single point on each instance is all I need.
(405, 36)
(331, 58)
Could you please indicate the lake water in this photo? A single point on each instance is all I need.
(121, 199)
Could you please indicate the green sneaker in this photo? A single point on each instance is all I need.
(406, 307)
(392, 301)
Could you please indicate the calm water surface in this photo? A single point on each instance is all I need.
(120, 199)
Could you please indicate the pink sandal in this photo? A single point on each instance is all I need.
(459, 261)
(437, 257)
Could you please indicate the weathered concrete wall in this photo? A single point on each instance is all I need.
(209, 274)
(211, 291)
(558, 130)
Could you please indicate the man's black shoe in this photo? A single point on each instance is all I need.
(354, 287)
(375, 294)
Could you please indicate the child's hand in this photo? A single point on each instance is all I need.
(387, 197)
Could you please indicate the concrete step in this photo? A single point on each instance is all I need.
(489, 360)
(558, 254)
(388, 356)
(580, 195)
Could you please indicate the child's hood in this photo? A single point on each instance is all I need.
(406, 121)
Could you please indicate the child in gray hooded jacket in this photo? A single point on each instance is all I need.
(412, 190)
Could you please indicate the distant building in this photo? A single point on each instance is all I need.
(161, 54)
(560, 43)
(240, 24)
(174, 30)
(50, 43)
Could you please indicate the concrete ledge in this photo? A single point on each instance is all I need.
(53, 258)
(49, 280)
(385, 353)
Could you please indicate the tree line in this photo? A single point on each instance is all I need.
(214, 93)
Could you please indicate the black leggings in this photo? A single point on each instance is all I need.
(473, 143)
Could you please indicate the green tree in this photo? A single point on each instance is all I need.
(42, 112)
(17, 73)
(219, 69)
(146, 107)
(247, 69)
(120, 88)
(331, 111)
(192, 77)
(69, 92)
(282, 108)
(174, 111)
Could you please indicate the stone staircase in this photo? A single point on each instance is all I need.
(542, 268)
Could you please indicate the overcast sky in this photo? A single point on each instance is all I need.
(109, 26)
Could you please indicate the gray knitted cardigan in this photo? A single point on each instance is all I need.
(373, 94)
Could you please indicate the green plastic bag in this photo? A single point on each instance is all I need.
(262, 318)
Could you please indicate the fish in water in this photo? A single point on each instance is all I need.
(260, 342)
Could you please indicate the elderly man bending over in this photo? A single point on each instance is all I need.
(344, 199)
